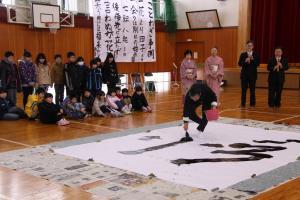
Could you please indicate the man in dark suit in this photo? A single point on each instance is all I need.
(249, 61)
(276, 67)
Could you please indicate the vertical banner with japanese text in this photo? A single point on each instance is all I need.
(125, 28)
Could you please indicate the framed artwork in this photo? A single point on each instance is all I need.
(203, 19)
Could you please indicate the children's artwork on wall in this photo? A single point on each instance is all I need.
(223, 155)
(126, 29)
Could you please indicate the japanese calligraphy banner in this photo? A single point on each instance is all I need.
(125, 28)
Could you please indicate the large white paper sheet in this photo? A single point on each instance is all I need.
(201, 175)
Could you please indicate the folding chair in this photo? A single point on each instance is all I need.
(136, 80)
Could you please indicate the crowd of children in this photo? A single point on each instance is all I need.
(83, 84)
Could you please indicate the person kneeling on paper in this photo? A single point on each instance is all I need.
(198, 95)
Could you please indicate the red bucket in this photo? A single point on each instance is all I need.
(212, 115)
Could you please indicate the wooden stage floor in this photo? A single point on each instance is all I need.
(167, 105)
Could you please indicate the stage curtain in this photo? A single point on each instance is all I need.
(276, 23)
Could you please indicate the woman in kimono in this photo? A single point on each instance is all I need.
(188, 72)
(214, 72)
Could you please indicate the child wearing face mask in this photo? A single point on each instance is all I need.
(43, 72)
(74, 75)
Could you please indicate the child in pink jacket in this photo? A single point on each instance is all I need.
(115, 103)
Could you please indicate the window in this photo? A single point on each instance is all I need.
(8, 2)
(161, 80)
(70, 5)
(159, 9)
(91, 11)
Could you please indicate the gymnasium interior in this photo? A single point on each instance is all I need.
(251, 150)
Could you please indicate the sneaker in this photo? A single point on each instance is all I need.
(200, 129)
(117, 114)
(145, 109)
(63, 122)
(126, 111)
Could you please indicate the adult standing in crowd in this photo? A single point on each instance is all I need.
(214, 72)
(9, 77)
(58, 79)
(27, 75)
(110, 72)
(249, 61)
(188, 72)
(276, 67)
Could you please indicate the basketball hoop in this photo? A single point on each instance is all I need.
(53, 26)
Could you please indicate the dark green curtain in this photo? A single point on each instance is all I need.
(171, 17)
(156, 13)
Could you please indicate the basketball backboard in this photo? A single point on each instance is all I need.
(43, 14)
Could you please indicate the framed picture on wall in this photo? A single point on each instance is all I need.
(203, 19)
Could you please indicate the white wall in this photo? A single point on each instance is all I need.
(228, 11)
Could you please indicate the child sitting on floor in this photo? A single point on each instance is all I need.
(87, 101)
(139, 101)
(118, 93)
(31, 108)
(75, 109)
(51, 113)
(8, 110)
(115, 103)
(126, 98)
(101, 108)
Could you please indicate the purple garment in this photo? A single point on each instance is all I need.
(188, 74)
(215, 76)
(27, 73)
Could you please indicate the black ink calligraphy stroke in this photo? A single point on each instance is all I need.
(154, 148)
(255, 154)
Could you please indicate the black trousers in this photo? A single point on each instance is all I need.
(105, 109)
(76, 91)
(59, 93)
(275, 91)
(201, 121)
(52, 119)
(26, 92)
(111, 85)
(248, 83)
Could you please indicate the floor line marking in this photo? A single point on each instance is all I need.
(99, 126)
(254, 111)
(230, 109)
(296, 116)
(165, 102)
(19, 143)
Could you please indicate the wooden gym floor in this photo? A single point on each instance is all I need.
(167, 105)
